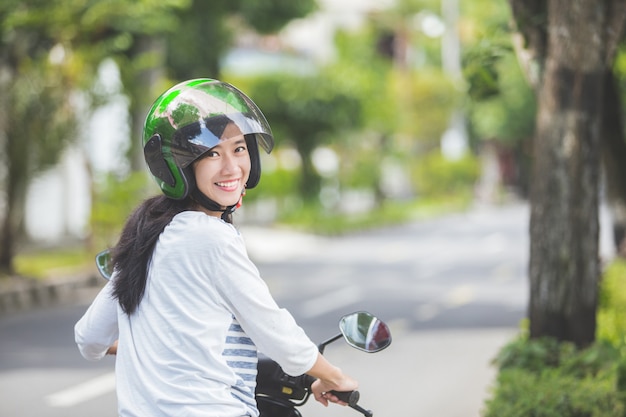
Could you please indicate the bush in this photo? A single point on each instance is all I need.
(612, 305)
(545, 378)
(434, 175)
(548, 378)
(553, 393)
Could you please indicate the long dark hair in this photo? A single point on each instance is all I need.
(134, 249)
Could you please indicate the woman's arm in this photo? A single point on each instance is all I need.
(329, 378)
(96, 332)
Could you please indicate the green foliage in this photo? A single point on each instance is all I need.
(52, 263)
(536, 355)
(424, 102)
(510, 114)
(612, 305)
(204, 30)
(366, 75)
(361, 159)
(435, 175)
(554, 394)
(500, 104)
(276, 183)
(480, 68)
(113, 202)
(312, 218)
(303, 110)
(546, 378)
(271, 15)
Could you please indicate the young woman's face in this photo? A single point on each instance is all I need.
(221, 174)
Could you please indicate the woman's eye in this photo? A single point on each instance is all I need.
(240, 149)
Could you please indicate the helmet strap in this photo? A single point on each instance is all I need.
(200, 198)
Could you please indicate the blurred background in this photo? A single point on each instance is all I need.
(368, 102)
(408, 135)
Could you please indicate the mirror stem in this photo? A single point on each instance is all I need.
(323, 345)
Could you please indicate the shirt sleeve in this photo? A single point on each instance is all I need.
(97, 330)
(271, 328)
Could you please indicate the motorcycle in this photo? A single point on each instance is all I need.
(279, 394)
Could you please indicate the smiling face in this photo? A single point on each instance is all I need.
(221, 173)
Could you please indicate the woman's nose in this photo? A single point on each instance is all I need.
(230, 164)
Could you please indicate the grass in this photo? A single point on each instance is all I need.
(52, 262)
(312, 219)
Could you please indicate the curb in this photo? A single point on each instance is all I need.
(21, 294)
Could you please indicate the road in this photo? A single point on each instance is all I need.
(453, 291)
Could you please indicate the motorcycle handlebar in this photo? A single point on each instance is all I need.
(349, 397)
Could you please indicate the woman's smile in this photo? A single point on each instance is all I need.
(221, 174)
(229, 185)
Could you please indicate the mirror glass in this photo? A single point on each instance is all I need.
(104, 264)
(365, 332)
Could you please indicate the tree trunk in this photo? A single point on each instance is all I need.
(564, 265)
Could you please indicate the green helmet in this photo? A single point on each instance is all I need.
(188, 120)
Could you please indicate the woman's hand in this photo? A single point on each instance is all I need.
(322, 389)
(112, 350)
(329, 378)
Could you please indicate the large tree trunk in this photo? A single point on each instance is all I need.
(564, 265)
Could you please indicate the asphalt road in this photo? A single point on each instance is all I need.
(453, 291)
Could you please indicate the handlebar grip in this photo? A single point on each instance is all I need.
(350, 397)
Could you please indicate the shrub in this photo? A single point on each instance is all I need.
(547, 378)
(553, 393)
(612, 305)
(434, 175)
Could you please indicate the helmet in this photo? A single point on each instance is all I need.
(191, 118)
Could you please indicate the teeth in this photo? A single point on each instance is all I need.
(228, 184)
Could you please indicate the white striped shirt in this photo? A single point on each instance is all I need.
(182, 353)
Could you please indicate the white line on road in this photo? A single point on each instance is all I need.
(459, 296)
(330, 301)
(82, 392)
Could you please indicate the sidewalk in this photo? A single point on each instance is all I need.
(20, 294)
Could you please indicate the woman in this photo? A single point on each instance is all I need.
(186, 303)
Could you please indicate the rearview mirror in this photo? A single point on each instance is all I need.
(104, 264)
(365, 332)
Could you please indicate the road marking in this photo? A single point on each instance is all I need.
(330, 301)
(82, 392)
(459, 296)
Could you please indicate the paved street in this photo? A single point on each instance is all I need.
(452, 290)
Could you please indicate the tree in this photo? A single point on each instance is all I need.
(48, 54)
(36, 113)
(49, 51)
(191, 46)
(567, 46)
(305, 110)
(501, 106)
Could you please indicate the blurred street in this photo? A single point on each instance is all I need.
(453, 291)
